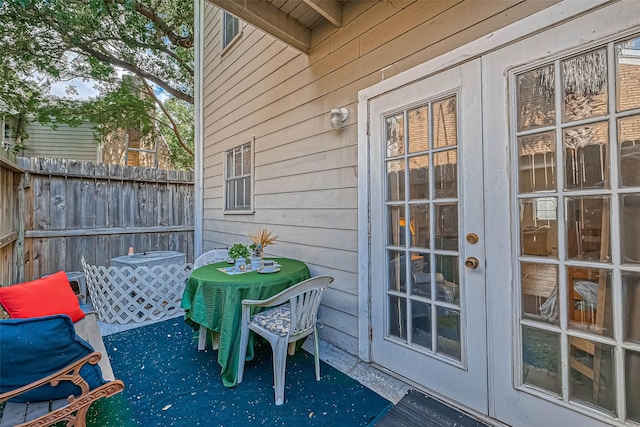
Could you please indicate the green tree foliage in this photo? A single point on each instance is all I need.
(183, 113)
(43, 42)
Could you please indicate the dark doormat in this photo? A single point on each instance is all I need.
(417, 410)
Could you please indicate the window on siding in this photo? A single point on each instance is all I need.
(230, 28)
(238, 178)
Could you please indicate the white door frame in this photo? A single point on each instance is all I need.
(497, 179)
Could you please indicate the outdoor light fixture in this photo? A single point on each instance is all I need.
(338, 115)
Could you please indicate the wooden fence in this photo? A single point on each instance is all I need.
(72, 209)
(10, 226)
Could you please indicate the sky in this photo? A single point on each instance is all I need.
(84, 88)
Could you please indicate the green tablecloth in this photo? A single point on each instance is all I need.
(214, 299)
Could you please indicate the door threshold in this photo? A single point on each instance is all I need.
(384, 382)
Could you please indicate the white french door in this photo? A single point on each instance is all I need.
(565, 329)
(428, 319)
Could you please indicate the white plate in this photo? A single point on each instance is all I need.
(264, 271)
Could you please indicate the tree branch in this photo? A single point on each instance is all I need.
(137, 71)
(174, 126)
(175, 39)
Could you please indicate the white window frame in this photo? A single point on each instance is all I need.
(230, 177)
(226, 21)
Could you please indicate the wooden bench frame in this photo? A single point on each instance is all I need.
(74, 409)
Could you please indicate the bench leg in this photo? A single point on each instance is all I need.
(76, 410)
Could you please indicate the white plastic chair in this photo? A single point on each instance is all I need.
(284, 324)
(210, 257)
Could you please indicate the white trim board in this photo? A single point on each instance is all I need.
(198, 214)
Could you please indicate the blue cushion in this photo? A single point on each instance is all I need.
(34, 348)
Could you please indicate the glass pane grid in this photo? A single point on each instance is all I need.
(576, 156)
(416, 290)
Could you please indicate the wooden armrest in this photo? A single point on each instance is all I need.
(68, 373)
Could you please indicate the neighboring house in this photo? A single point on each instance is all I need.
(127, 147)
(79, 143)
(63, 142)
(479, 206)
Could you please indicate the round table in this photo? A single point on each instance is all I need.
(213, 299)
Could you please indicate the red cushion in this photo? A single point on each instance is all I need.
(42, 297)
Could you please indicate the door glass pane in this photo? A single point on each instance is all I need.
(588, 228)
(445, 174)
(629, 143)
(395, 180)
(447, 279)
(418, 129)
(586, 156)
(631, 298)
(448, 329)
(630, 228)
(394, 131)
(421, 324)
(589, 300)
(445, 123)
(627, 54)
(398, 317)
(537, 162)
(397, 272)
(535, 97)
(632, 368)
(420, 275)
(395, 224)
(419, 177)
(446, 226)
(541, 359)
(538, 227)
(540, 291)
(592, 374)
(584, 81)
(420, 230)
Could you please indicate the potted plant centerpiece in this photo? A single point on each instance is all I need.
(238, 250)
(260, 240)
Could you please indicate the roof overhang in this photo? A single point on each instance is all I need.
(290, 21)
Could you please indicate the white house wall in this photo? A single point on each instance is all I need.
(305, 172)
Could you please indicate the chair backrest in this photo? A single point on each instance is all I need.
(215, 255)
(304, 299)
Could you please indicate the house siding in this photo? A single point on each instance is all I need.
(305, 172)
(64, 142)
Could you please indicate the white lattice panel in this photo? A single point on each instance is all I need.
(126, 294)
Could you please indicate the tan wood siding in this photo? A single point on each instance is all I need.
(305, 172)
(64, 142)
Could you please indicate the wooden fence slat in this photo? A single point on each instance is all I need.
(89, 201)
